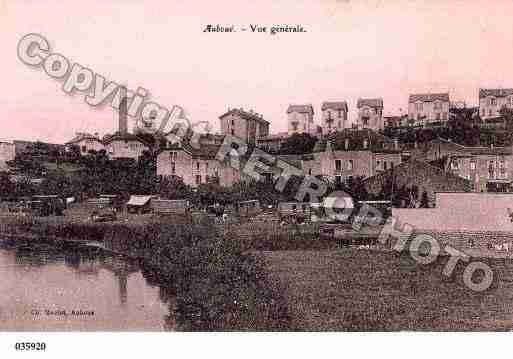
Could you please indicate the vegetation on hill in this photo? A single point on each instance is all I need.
(464, 129)
(298, 144)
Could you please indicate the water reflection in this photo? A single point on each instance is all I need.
(41, 282)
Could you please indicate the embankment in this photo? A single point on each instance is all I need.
(219, 285)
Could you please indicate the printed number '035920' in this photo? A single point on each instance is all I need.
(26, 346)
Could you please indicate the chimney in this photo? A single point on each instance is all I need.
(346, 143)
(123, 110)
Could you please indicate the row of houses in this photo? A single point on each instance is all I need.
(119, 145)
(428, 109)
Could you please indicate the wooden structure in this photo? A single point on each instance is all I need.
(47, 205)
(248, 208)
(139, 204)
(294, 212)
(165, 206)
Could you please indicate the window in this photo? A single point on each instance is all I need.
(309, 171)
(303, 207)
(339, 113)
(198, 179)
(385, 165)
(473, 165)
(437, 116)
(197, 166)
(438, 105)
(294, 126)
(502, 168)
(350, 165)
(232, 131)
(84, 149)
(489, 112)
(491, 169)
(378, 165)
(338, 179)
(329, 115)
(173, 168)
(338, 165)
(493, 102)
(206, 166)
(233, 122)
(418, 106)
(455, 165)
(444, 116)
(294, 207)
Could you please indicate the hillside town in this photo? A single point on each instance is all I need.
(371, 149)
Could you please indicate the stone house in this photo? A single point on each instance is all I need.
(334, 117)
(85, 142)
(370, 114)
(246, 125)
(196, 166)
(491, 101)
(487, 168)
(424, 176)
(428, 109)
(125, 146)
(350, 154)
(300, 119)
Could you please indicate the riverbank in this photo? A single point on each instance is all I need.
(218, 284)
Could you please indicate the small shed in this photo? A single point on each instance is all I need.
(165, 206)
(294, 211)
(47, 205)
(248, 208)
(139, 204)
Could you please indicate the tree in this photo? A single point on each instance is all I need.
(298, 144)
(6, 186)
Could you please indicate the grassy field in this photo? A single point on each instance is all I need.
(355, 289)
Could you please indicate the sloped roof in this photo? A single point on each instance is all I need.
(475, 150)
(371, 102)
(301, 109)
(79, 138)
(138, 201)
(495, 92)
(124, 137)
(422, 166)
(204, 151)
(376, 141)
(336, 105)
(245, 115)
(429, 97)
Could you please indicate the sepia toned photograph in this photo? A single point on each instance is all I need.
(273, 166)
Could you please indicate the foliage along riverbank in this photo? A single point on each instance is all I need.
(218, 285)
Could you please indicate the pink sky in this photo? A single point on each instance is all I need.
(352, 49)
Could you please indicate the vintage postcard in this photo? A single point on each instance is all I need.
(240, 166)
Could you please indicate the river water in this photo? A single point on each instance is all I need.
(47, 289)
